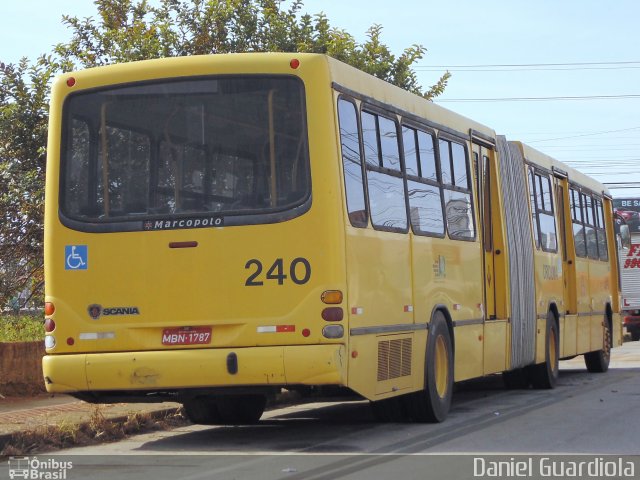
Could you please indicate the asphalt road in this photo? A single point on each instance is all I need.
(592, 414)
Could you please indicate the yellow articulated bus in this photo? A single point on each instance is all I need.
(220, 227)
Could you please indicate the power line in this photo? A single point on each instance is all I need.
(507, 65)
(585, 135)
(539, 99)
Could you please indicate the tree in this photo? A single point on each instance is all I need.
(129, 30)
(23, 135)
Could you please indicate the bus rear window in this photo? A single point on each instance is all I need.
(223, 146)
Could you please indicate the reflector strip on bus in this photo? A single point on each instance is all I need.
(276, 329)
(357, 311)
(408, 308)
(97, 335)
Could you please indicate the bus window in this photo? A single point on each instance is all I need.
(389, 150)
(222, 145)
(589, 227)
(385, 184)
(601, 232)
(445, 162)
(578, 227)
(352, 163)
(459, 165)
(457, 191)
(546, 219)
(427, 150)
(410, 151)
(370, 139)
(425, 200)
(533, 208)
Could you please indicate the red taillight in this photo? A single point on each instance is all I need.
(70, 341)
(71, 82)
(294, 63)
(332, 314)
(306, 332)
(49, 309)
(49, 325)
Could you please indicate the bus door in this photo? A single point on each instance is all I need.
(563, 216)
(482, 164)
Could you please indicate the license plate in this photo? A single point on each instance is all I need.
(186, 336)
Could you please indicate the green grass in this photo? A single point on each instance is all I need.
(21, 328)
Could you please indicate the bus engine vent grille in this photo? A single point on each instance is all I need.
(394, 358)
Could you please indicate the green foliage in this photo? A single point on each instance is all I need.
(129, 30)
(23, 134)
(21, 328)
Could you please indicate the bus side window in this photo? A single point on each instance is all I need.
(352, 163)
(385, 183)
(425, 199)
(457, 190)
(589, 227)
(578, 227)
(533, 209)
(601, 232)
(546, 219)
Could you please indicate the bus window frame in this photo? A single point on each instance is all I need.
(455, 188)
(281, 213)
(415, 126)
(365, 107)
(539, 174)
(363, 170)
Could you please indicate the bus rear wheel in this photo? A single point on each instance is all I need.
(433, 403)
(598, 361)
(202, 411)
(545, 375)
(226, 410)
(242, 409)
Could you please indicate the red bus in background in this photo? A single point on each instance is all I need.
(627, 212)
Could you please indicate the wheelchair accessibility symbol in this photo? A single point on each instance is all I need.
(76, 257)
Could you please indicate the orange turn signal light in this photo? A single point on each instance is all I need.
(49, 309)
(331, 297)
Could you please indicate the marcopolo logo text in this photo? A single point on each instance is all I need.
(183, 223)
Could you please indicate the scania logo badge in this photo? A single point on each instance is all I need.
(95, 311)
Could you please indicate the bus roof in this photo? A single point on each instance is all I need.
(366, 84)
(535, 156)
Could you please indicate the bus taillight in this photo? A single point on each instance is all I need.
(332, 314)
(49, 325)
(49, 309)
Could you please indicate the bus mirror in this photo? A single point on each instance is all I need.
(625, 236)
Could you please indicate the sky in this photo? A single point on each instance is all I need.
(560, 75)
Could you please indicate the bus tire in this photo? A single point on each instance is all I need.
(545, 375)
(433, 403)
(598, 361)
(241, 409)
(635, 335)
(202, 411)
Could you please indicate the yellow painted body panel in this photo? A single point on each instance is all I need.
(469, 355)
(496, 346)
(262, 366)
(569, 327)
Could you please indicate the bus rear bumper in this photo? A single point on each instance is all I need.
(196, 368)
